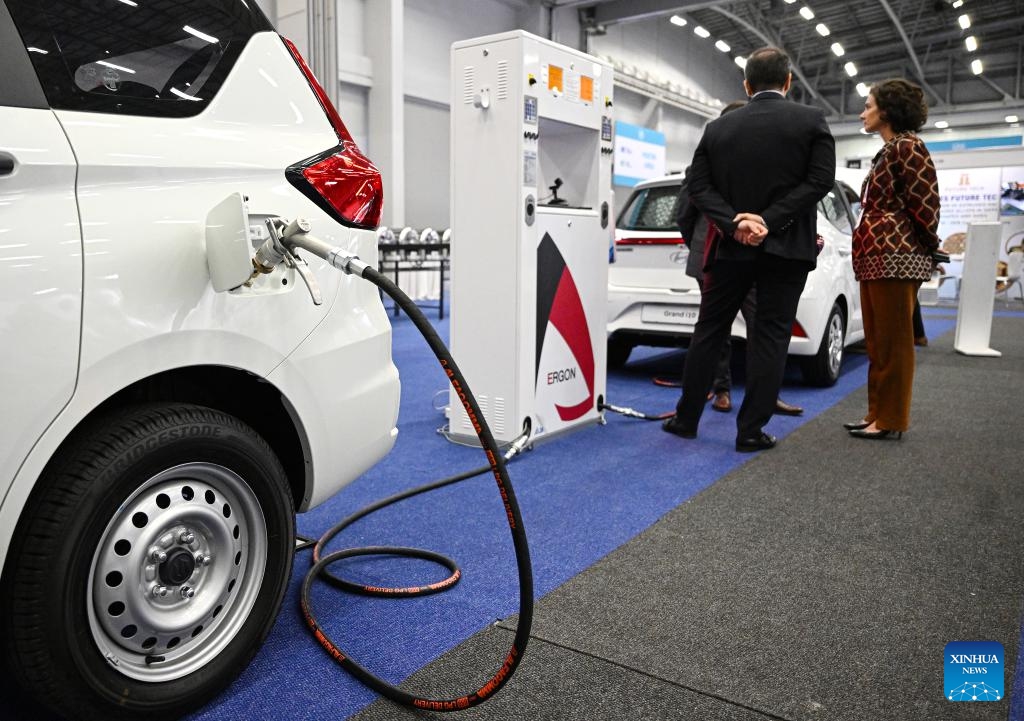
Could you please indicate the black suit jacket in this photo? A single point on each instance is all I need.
(772, 157)
(693, 226)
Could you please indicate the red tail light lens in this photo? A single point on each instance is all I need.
(797, 331)
(341, 181)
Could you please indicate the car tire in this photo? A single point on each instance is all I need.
(822, 369)
(149, 564)
(618, 353)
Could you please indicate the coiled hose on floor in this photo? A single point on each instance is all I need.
(496, 465)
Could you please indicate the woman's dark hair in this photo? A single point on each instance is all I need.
(767, 69)
(901, 104)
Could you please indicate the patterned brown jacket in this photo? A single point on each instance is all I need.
(897, 229)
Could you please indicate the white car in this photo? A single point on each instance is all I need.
(156, 434)
(651, 300)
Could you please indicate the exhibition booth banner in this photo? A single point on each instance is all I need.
(977, 195)
(639, 154)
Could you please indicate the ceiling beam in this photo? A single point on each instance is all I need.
(974, 115)
(907, 44)
(627, 11)
(769, 41)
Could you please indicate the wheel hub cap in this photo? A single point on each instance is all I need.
(178, 568)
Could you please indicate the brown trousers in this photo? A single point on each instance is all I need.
(888, 307)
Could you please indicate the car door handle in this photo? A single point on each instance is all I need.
(6, 164)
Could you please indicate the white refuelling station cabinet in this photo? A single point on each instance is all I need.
(531, 216)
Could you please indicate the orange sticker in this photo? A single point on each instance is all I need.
(555, 78)
(586, 89)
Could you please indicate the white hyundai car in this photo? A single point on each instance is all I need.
(160, 428)
(651, 300)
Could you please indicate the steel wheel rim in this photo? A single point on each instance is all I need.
(158, 619)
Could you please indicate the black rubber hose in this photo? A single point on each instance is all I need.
(496, 464)
(637, 414)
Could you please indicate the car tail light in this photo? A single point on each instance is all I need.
(649, 241)
(797, 331)
(341, 181)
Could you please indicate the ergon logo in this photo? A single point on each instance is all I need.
(561, 376)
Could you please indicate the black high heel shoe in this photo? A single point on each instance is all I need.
(879, 435)
(856, 425)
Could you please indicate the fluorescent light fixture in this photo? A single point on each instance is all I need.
(941, 124)
(699, 30)
(863, 90)
(964, 20)
(822, 29)
(678, 20)
(129, 2)
(184, 95)
(1011, 119)
(806, 13)
(200, 35)
(115, 67)
(790, 2)
(976, 67)
(723, 46)
(742, 62)
(851, 69)
(958, 4)
(971, 42)
(838, 50)
(37, 50)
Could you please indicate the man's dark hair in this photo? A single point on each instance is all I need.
(901, 104)
(767, 69)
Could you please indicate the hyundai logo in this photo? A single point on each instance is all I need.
(679, 257)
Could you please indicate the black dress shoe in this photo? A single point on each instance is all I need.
(786, 409)
(856, 425)
(673, 426)
(761, 442)
(879, 435)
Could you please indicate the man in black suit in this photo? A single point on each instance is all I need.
(758, 174)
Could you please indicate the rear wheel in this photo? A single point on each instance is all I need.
(618, 352)
(149, 565)
(822, 369)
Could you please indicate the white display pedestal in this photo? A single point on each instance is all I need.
(977, 291)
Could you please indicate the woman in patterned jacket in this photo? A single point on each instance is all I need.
(892, 251)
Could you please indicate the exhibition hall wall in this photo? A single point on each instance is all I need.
(662, 53)
(669, 54)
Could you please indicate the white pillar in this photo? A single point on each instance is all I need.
(322, 35)
(977, 290)
(269, 8)
(385, 40)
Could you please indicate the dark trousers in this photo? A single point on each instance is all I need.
(779, 283)
(722, 380)
(918, 321)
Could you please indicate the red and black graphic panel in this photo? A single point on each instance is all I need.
(558, 303)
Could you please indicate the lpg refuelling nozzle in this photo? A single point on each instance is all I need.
(284, 238)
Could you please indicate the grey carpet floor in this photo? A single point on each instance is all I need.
(820, 580)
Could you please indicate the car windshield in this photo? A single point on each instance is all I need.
(650, 209)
